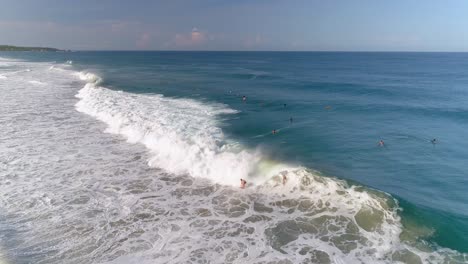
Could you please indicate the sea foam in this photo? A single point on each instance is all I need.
(182, 134)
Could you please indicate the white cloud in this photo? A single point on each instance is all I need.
(194, 38)
(144, 41)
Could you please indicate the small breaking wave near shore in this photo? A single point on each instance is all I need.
(310, 218)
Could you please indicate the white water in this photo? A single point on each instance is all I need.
(72, 194)
(182, 134)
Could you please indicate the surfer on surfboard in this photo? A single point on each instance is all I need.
(243, 183)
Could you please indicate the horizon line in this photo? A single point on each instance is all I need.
(317, 51)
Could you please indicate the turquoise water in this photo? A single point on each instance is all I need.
(341, 105)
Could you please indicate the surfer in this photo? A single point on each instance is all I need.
(284, 179)
(290, 120)
(284, 105)
(243, 183)
(244, 98)
(274, 131)
(381, 143)
(434, 141)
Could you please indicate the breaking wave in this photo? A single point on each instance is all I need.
(311, 217)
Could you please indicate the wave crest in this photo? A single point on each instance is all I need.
(183, 135)
(89, 77)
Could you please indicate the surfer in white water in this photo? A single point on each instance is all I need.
(434, 141)
(381, 143)
(284, 179)
(243, 183)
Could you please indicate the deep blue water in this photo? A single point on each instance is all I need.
(341, 105)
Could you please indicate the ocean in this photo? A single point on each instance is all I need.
(126, 157)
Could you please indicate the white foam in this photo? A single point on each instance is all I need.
(36, 82)
(89, 77)
(8, 62)
(182, 134)
(346, 201)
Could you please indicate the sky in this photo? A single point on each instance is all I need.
(289, 25)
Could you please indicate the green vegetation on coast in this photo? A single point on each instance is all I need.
(15, 48)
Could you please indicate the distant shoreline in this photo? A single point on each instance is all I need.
(40, 49)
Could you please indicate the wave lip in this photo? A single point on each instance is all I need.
(89, 77)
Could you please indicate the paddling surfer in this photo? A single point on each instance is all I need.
(381, 143)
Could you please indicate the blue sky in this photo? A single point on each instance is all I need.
(321, 25)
